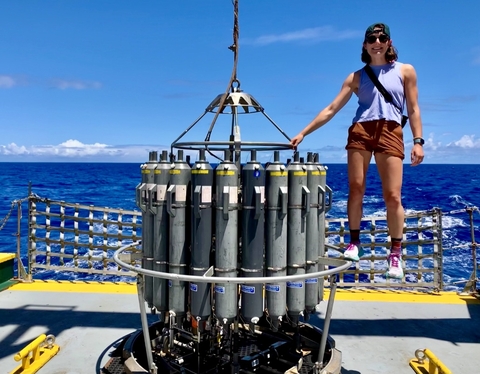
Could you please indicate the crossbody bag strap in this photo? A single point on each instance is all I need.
(386, 95)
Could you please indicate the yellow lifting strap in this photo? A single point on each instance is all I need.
(36, 354)
(427, 363)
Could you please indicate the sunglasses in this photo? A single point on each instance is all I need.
(372, 38)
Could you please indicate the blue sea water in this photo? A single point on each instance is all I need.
(448, 187)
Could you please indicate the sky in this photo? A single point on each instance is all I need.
(110, 81)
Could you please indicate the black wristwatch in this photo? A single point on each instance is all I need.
(418, 141)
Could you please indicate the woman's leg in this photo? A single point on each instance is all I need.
(358, 162)
(390, 169)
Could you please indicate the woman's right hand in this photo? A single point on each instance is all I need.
(296, 141)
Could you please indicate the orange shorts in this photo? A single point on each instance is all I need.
(379, 136)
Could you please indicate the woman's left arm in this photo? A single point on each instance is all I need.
(411, 95)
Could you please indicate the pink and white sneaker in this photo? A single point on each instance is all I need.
(395, 269)
(353, 252)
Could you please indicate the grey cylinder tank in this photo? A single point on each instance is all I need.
(177, 204)
(324, 205)
(201, 212)
(226, 238)
(142, 201)
(276, 190)
(253, 236)
(298, 208)
(158, 207)
(312, 232)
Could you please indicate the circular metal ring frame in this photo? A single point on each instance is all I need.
(338, 265)
(244, 146)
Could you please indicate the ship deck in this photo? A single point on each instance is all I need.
(376, 331)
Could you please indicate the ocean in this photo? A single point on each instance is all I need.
(451, 188)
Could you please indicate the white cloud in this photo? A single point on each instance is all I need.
(13, 149)
(466, 141)
(431, 144)
(72, 150)
(7, 81)
(315, 34)
(465, 150)
(64, 84)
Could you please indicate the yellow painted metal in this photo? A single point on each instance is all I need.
(427, 363)
(36, 354)
(399, 296)
(4, 257)
(371, 295)
(76, 286)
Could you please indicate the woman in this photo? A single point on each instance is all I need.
(377, 130)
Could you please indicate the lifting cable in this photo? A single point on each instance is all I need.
(233, 77)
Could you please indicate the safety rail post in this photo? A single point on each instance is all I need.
(28, 271)
(31, 231)
(471, 285)
(21, 272)
(36, 354)
(438, 247)
(18, 235)
(425, 362)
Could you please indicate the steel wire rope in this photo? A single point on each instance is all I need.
(233, 77)
(7, 216)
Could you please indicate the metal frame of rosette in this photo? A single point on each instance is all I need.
(335, 266)
(241, 208)
(240, 234)
(236, 103)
